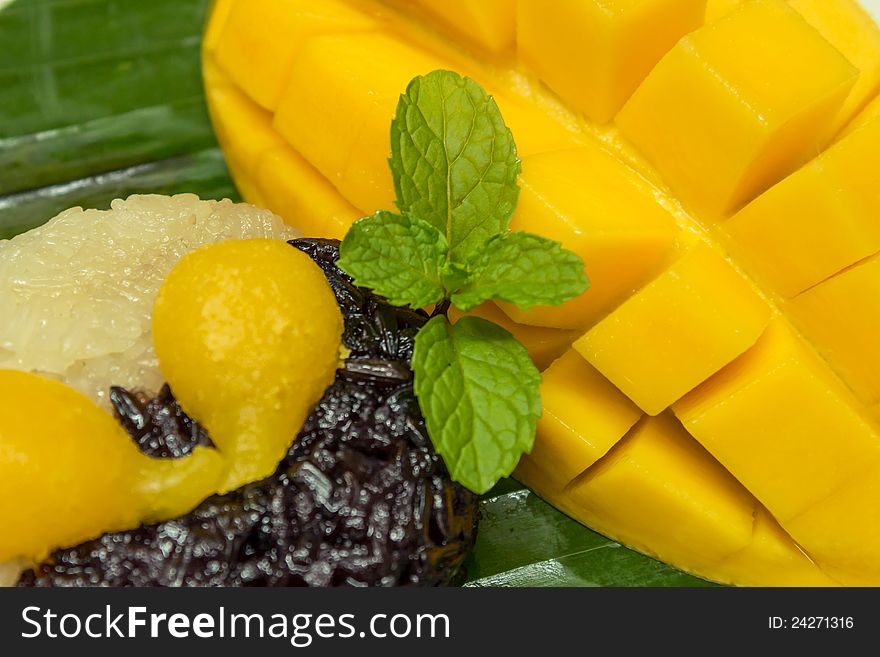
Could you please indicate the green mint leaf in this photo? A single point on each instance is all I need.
(479, 392)
(455, 275)
(523, 269)
(400, 258)
(453, 160)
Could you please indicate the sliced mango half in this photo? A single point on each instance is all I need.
(712, 400)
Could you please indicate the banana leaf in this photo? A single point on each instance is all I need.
(100, 99)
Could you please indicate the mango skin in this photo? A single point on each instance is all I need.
(771, 130)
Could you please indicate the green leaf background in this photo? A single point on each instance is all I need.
(100, 99)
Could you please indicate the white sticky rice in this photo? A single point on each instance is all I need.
(76, 294)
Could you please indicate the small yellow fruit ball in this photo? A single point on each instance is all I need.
(248, 334)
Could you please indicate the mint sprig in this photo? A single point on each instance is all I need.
(455, 171)
(401, 257)
(523, 269)
(453, 160)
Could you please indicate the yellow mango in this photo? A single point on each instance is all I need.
(543, 344)
(841, 317)
(535, 131)
(782, 403)
(867, 115)
(330, 76)
(606, 213)
(842, 532)
(848, 27)
(596, 52)
(249, 376)
(715, 9)
(662, 493)
(219, 15)
(729, 110)
(294, 190)
(677, 331)
(648, 201)
(818, 220)
(271, 32)
(772, 558)
(233, 110)
(583, 417)
(488, 23)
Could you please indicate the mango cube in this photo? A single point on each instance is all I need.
(730, 110)
(233, 113)
(842, 532)
(715, 9)
(535, 131)
(596, 52)
(848, 27)
(488, 23)
(583, 417)
(294, 190)
(603, 211)
(782, 403)
(544, 345)
(272, 32)
(332, 75)
(772, 558)
(677, 331)
(841, 317)
(213, 30)
(867, 115)
(663, 494)
(817, 221)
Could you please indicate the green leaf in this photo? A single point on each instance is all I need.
(523, 541)
(523, 269)
(478, 390)
(453, 160)
(398, 257)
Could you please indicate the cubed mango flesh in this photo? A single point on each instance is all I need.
(331, 76)
(596, 52)
(729, 110)
(544, 345)
(583, 417)
(727, 113)
(270, 33)
(294, 190)
(842, 532)
(817, 221)
(841, 316)
(871, 112)
(772, 558)
(848, 27)
(605, 212)
(488, 23)
(677, 331)
(219, 15)
(715, 9)
(659, 491)
(782, 403)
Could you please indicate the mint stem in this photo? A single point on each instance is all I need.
(441, 308)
